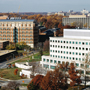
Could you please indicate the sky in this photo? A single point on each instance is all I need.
(43, 5)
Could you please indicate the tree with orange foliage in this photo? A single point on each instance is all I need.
(75, 79)
(54, 80)
(15, 71)
(35, 82)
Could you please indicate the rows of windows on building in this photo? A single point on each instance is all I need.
(23, 25)
(59, 62)
(71, 42)
(20, 28)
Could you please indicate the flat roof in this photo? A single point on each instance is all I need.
(17, 20)
(3, 41)
(70, 38)
(3, 52)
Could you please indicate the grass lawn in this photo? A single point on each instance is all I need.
(9, 74)
(37, 57)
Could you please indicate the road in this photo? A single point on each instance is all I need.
(4, 64)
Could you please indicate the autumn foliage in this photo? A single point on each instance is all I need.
(36, 81)
(73, 76)
(15, 71)
(46, 46)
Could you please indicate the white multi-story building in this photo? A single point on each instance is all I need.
(72, 48)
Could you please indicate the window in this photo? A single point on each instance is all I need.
(87, 66)
(61, 57)
(50, 40)
(67, 47)
(64, 41)
(82, 43)
(58, 46)
(79, 48)
(76, 42)
(79, 53)
(70, 42)
(79, 42)
(55, 40)
(50, 55)
(64, 46)
(82, 53)
(61, 51)
(73, 58)
(58, 56)
(67, 52)
(82, 65)
(79, 59)
(53, 45)
(76, 53)
(44, 59)
(59, 62)
(51, 61)
(82, 48)
(73, 42)
(76, 58)
(70, 47)
(58, 41)
(53, 55)
(86, 48)
(73, 53)
(45, 65)
(52, 67)
(67, 57)
(83, 59)
(64, 57)
(61, 41)
(55, 61)
(47, 60)
(58, 51)
(70, 58)
(50, 45)
(77, 64)
(73, 47)
(64, 52)
(86, 43)
(76, 47)
(67, 41)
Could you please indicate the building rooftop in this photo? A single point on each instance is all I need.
(3, 41)
(17, 20)
(58, 38)
(3, 52)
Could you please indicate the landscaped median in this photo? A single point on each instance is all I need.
(31, 58)
(10, 73)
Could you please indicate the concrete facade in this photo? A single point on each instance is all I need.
(69, 49)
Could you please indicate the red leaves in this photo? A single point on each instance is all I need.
(15, 71)
(73, 76)
(36, 80)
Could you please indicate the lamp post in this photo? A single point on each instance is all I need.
(13, 55)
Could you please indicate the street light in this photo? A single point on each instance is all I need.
(13, 55)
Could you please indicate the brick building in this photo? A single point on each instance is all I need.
(19, 31)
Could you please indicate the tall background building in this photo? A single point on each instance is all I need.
(19, 31)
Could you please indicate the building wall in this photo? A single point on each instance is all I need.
(71, 50)
(25, 32)
(82, 21)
